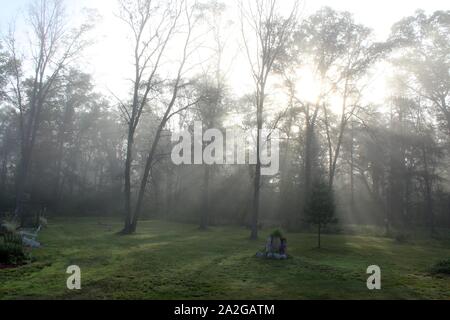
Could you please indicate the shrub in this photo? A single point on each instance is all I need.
(442, 267)
(277, 234)
(13, 254)
(320, 208)
(11, 249)
(402, 238)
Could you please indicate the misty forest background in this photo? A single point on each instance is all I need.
(78, 151)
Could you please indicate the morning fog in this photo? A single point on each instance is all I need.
(212, 147)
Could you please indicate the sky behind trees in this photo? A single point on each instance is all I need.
(105, 59)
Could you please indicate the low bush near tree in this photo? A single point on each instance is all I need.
(12, 252)
(442, 267)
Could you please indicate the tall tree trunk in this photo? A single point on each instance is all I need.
(205, 207)
(333, 155)
(4, 171)
(309, 155)
(352, 170)
(149, 162)
(285, 183)
(22, 178)
(407, 208)
(256, 199)
(308, 160)
(428, 192)
(127, 180)
(319, 235)
(60, 155)
(257, 180)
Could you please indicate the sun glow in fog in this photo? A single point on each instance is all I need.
(110, 60)
(308, 87)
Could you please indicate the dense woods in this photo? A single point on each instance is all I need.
(71, 149)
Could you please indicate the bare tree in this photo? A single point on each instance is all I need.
(152, 25)
(264, 33)
(151, 42)
(361, 55)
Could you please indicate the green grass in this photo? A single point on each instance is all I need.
(173, 261)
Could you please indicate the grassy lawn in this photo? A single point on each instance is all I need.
(173, 261)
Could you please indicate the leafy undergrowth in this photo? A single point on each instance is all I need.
(173, 261)
(12, 253)
(442, 267)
